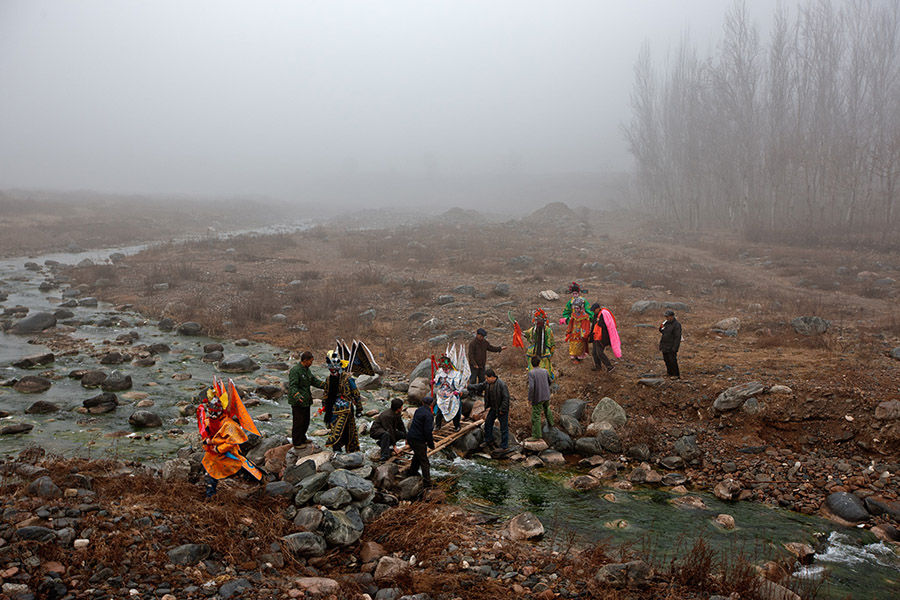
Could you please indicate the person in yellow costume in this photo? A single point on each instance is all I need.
(222, 440)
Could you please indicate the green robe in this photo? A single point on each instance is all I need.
(544, 353)
(567, 311)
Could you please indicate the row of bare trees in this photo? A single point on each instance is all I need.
(799, 136)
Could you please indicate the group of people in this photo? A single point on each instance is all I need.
(224, 423)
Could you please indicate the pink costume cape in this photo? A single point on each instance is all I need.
(614, 340)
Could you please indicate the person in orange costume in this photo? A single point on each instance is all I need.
(578, 330)
(223, 456)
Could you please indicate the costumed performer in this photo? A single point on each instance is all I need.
(341, 405)
(578, 330)
(540, 342)
(576, 291)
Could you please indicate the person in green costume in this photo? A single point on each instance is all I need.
(576, 291)
(540, 342)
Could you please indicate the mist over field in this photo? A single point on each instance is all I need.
(396, 103)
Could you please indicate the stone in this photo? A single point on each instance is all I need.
(570, 426)
(294, 474)
(810, 325)
(357, 487)
(588, 446)
(279, 488)
(317, 587)
(729, 324)
(43, 487)
(410, 488)
(35, 533)
(305, 544)
(41, 407)
(552, 457)
(340, 529)
(213, 357)
(102, 403)
(308, 488)
(15, 428)
(34, 323)
(144, 418)
(176, 469)
(88, 301)
(116, 382)
(558, 439)
(188, 554)
(895, 353)
(574, 408)
(166, 324)
(389, 568)
(158, 348)
(642, 306)
(423, 369)
(32, 384)
(385, 476)
(34, 360)
(334, 498)
(727, 489)
(609, 440)
(444, 299)
(63, 313)
(607, 470)
(501, 289)
(535, 445)
(352, 460)
(418, 389)
(847, 506)
(725, 521)
(652, 382)
(189, 328)
(584, 482)
(438, 340)
(371, 551)
(309, 518)
(234, 588)
(609, 411)
(368, 382)
(686, 447)
(735, 396)
(673, 479)
(525, 526)
(635, 573)
(888, 411)
(549, 295)
(804, 552)
(639, 452)
(238, 363)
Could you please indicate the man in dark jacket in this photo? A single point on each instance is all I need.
(388, 427)
(420, 437)
(669, 342)
(496, 401)
(477, 355)
(300, 398)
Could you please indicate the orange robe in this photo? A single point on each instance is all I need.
(577, 334)
(223, 456)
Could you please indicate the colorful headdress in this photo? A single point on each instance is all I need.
(222, 400)
(574, 288)
(334, 361)
(578, 303)
(446, 363)
(539, 315)
(214, 406)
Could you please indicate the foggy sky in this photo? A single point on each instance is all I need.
(227, 97)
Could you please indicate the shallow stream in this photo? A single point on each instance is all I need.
(644, 519)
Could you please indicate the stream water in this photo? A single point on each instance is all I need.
(851, 560)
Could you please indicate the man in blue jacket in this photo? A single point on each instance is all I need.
(420, 437)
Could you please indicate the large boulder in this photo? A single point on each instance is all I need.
(43, 487)
(727, 489)
(340, 529)
(423, 369)
(41, 407)
(32, 384)
(588, 446)
(609, 411)
(333, 498)
(558, 439)
(34, 323)
(686, 447)
(351, 460)
(294, 474)
(309, 518)
(609, 440)
(307, 488)
(571, 426)
(525, 526)
(389, 568)
(385, 476)
(642, 306)
(418, 389)
(410, 487)
(238, 363)
(735, 396)
(888, 411)
(847, 506)
(574, 408)
(93, 378)
(810, 325)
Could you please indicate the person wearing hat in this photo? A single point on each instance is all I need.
(477, 355)
(669, 342)
(420, 437)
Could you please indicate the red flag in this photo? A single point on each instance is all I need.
(518, 340)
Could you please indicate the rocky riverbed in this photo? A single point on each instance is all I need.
(93, 379)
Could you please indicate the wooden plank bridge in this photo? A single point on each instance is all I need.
(443, 437)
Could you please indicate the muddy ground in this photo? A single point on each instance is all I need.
(303, 290)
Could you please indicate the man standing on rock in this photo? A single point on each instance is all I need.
(300, 398)
(388, 427)
(539, 396)
(496, 401)
(477, 355)
(669, 342)
(421, 437)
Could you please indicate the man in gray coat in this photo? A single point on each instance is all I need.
(539, 396)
